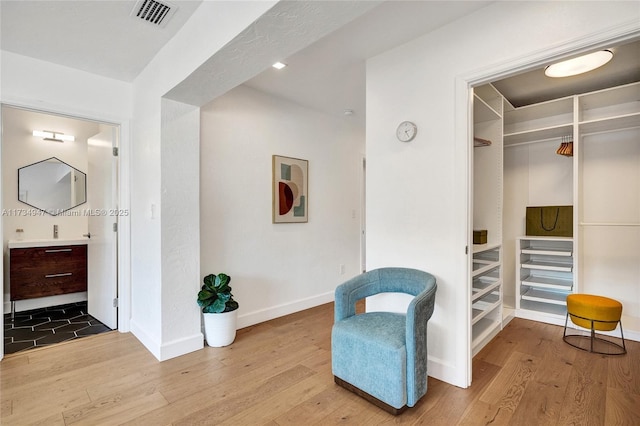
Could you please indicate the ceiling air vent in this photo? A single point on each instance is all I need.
(153, 12)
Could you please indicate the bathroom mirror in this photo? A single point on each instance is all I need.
(52, 186)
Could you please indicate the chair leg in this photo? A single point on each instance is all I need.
(624, 347)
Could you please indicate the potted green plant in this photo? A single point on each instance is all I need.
(219, 310)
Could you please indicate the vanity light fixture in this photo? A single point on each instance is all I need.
(48, 135)
(279, 65)
(579, 65)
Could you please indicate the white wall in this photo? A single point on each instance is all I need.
(417, 193)
(181, 222)
(172, 331)
(50, 87)
(277, 269)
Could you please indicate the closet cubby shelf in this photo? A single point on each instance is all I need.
(545, 270)
(538, 135)
(482, 286)
(602, 125)
(609, 103)
(548, 251)
(483, 329)
(484, 306)
(544, 296)
(482, 111)
(548, 266)
(542, 311)
(548, 283)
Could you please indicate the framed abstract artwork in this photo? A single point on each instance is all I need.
(290, 190)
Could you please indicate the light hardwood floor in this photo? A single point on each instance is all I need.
(279, 373)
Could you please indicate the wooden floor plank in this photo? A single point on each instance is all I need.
(624, 373)
(622, 408)
(279, 372)
(114, 412)
(542, 401)
(217, 411)
(271, 406)
(585, 397)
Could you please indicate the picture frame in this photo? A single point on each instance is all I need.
(290, 190)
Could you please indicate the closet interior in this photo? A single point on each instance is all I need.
(583, 151)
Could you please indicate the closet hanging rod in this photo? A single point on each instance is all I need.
(481, 142)
(531, 142)
(609, 224)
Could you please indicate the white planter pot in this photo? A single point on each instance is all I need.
(220, 329)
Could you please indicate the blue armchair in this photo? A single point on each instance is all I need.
(382, 356)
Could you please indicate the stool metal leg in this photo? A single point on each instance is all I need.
(624, 347)
(593, 337)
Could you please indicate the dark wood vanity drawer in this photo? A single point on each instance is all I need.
(47, 271)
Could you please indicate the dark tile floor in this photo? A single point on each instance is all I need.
(46, 326)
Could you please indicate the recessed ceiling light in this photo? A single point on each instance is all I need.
(579, 65)
(279, 65)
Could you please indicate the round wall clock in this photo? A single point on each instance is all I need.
(406, 131)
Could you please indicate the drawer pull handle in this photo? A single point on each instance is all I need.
(57, 250)
(66, 274)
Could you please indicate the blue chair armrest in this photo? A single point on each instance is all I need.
(421, 308)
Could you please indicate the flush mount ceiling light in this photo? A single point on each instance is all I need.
(48, 135)
(279, 65)
(579, 65)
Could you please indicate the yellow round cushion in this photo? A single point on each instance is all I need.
(596, 308)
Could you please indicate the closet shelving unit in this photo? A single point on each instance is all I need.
(603, 255)
(545, 270)
(609, 109)
(486, 295)
(539, 122)
(486, 273)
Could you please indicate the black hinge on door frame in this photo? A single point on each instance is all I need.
(115, 151)
(115, 227)
(115, 302)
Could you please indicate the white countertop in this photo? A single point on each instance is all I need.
(48, 242)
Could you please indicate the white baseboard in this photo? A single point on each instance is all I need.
(256, 317)
(43, 302)
(168, 350)
(182, 346)
(148, 342)
(445, 371)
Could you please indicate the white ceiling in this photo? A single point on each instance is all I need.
(329, 75)
(101, 37)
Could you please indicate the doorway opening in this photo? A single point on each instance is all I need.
(60, 218)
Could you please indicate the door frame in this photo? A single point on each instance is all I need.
(123, 126)
(464, 138)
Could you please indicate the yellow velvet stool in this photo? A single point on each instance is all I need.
(594, 313)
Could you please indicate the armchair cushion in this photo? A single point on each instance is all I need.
(366, 348)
